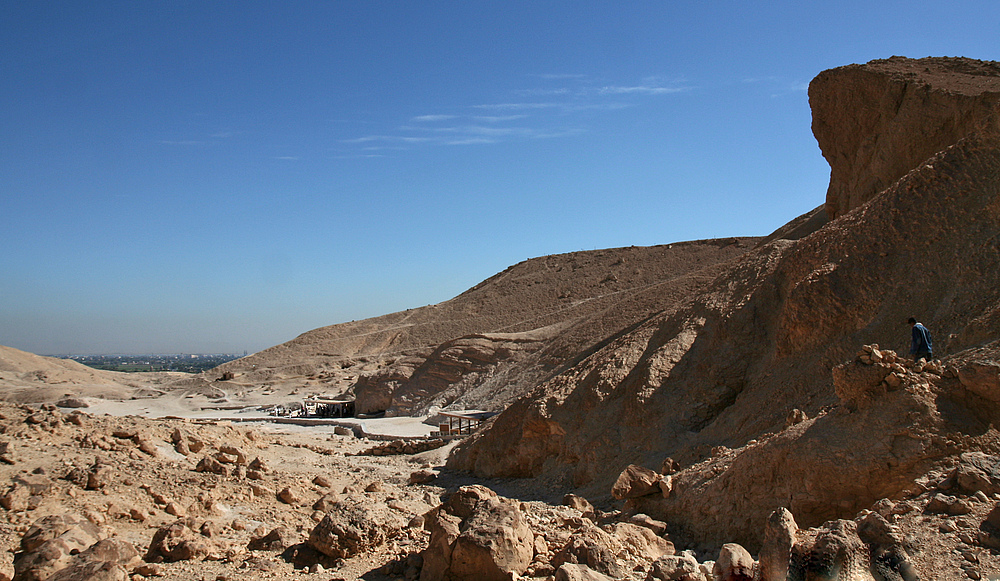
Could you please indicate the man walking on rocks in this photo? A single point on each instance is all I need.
(920, 341)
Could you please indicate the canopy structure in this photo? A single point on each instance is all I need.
(329, 407)
(467, 420)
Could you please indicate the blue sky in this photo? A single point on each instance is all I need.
(223, 176)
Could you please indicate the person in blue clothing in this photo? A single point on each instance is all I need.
(920, 341)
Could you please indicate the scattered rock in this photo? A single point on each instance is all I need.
(178, 541)
(290, 495)
(635, 481)
(581, 504)
(278, 539)
(422, 477)
(212, 465)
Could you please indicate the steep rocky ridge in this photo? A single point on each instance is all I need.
(875, 122)
(727, 367)
(488, 345)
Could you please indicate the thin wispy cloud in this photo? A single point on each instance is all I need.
(472, 141)
(287, 158)
(487, 130)
(547, 117)
(370, 138)
(559, 76)
(640, 90)
(432, 118)
(518, 106)
(182, 142)
(542, 92)
(498, 118)
(358, 156)
(576, 107)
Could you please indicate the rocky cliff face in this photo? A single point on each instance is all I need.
(724, 370)
(877, 121)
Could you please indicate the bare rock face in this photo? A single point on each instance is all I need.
(412, 381)
(476, 535)
(981, 378)
(877, 121)
(729, 367)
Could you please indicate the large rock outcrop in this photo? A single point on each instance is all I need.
(727, 368)
(416, 383)
(875, 122)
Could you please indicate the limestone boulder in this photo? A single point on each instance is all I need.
(213, 465)
(350, 528)
(107, 560)
(26, 492)
(577, 572)
(640, 543)
(595, 548)
(981, 378)
(779, 537)
(279, 539)
(476, 535)
(50, 545)
(682, 567)
(182, 540)
(579, 503)
(734, 564)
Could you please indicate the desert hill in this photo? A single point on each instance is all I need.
(29, 378)
(712, 384)
(490, 344)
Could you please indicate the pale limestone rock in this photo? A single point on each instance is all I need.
(779, 537)
(477, 535)
(734, 564)
(577, 572)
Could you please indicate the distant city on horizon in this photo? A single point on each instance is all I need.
(147, 362)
